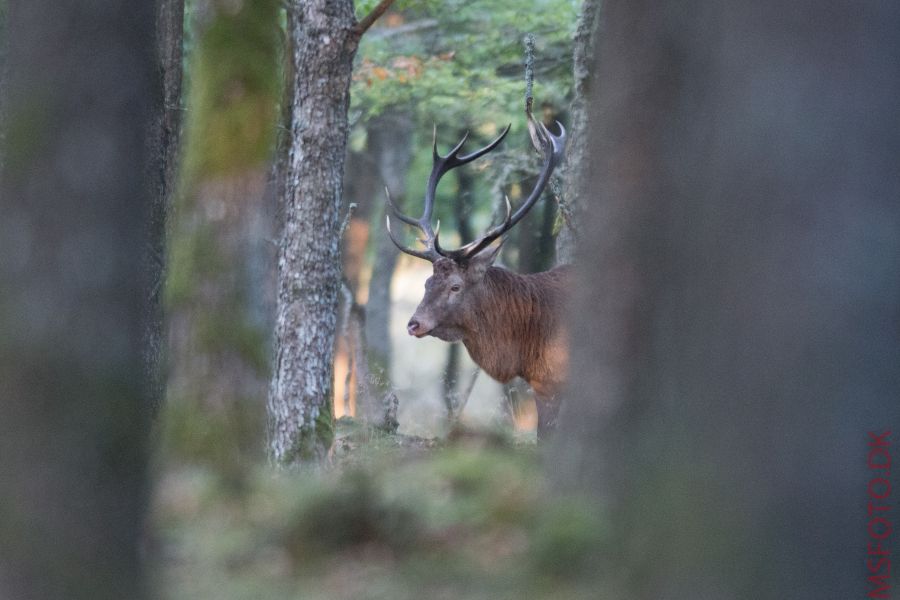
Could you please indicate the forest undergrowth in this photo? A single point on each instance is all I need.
(393, 517)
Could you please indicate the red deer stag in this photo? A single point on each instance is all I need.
(510, 323)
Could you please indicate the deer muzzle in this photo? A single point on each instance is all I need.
(416, 328)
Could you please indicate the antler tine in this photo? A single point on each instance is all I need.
(396, 211)
(479, 153)
(429, 254)
(442, 164)
(553, 148)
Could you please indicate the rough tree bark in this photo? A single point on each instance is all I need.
(324, 38)
(218, 350)
(74, 203)
(735, 333)
(586, 34)
(165, 138)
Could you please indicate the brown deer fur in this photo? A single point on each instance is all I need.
(510, 324)
(514, 328)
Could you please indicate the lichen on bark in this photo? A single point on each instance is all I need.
(324, 38)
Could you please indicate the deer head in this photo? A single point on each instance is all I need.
(458, 276)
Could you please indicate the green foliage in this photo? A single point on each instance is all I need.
(226, 441)
(468, 66)
(364, 7)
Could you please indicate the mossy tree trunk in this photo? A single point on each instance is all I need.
(587, 33)
(75, 199)
(218, 350)
(735, 334)
(324, 38)
(165, 138)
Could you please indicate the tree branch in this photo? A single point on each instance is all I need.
(373, 16)
(529, 72)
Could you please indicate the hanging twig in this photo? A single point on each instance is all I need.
(347, 217)
(464, 399)
(555, 184)
(529, 73)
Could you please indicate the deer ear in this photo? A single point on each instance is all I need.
(479, 263)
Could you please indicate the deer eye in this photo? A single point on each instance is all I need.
(455, 287)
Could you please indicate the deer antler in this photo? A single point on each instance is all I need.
(551, 146)
(442, 164)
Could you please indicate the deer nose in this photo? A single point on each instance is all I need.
(413, 326)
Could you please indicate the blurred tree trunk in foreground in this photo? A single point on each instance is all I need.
(74, 204)
(735, 335)
(586, 34)
(165, 138)
(324, 39)
(3, 83)
(217, 338)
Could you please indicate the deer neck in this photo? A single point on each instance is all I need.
(496, 323)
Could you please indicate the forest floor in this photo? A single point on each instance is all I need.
(393, 517)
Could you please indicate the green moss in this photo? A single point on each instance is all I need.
(223, 330)
(313, 444)
(192, 257)
(568, 540)
(351, 512)
(325, 423)
(235, 89)
(26, 131)
(224, 438)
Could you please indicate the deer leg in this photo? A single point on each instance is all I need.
(547, 410)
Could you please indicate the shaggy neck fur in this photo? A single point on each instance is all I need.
(514, 327)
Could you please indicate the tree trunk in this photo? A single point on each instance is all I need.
(324, 41)
(74, 202)
(390, 143)
(361, 187)
(586, 34)
(735, 334)
(462, 212)
(163, 167)
(219, 362)
(534, 241)
(351, 374)
(450, 381)
(3, 80)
